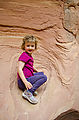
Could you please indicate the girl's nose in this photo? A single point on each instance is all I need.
(30, 47)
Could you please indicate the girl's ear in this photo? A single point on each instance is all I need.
(36, 45)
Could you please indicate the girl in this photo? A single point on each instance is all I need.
(28, 81)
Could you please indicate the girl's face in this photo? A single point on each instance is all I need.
(29, 47)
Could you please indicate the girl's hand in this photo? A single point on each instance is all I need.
(28, 85)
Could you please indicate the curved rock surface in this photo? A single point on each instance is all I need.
(57, 56)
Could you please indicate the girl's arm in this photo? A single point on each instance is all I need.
(34, 70)
(21, 74)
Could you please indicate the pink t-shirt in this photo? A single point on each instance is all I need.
(28, 67)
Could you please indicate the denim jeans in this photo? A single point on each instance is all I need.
(37, 80)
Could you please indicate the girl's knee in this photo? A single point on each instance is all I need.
(45, 78)
(40, 73)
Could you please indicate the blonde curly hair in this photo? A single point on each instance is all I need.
(29, 38)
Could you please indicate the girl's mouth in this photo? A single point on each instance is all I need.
(30, 50)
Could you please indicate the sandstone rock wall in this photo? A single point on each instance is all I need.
(55, 24)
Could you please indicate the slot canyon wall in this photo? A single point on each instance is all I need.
(56, 25)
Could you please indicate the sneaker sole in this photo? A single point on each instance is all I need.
(25, 97)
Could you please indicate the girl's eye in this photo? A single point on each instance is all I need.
(32, 45)
(28, 45)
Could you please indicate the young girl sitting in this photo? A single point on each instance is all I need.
(28, 81)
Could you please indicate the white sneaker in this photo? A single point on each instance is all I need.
(29, 96)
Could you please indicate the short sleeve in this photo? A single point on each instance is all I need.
(23, 57)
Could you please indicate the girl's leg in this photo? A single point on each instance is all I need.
(32, 80)
(21, 85)
(36, 81)
(27, 94)
(39, 73)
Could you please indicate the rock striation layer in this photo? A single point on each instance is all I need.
(55, 24)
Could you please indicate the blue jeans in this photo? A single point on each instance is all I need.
(37, 80)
